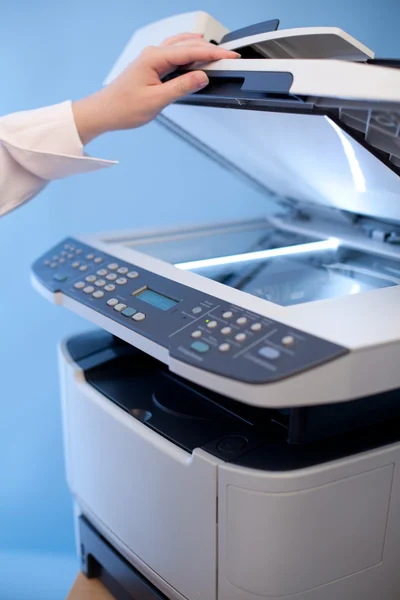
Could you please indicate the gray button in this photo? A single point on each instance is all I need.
(121, 280)
(120, 307)
(83, 268)
(113, 266)
(98, 260)
(256, 327)
(47, 263)
(197, 334)
(112, 302)
(79, 285)
(56, 257)
(102, 272)
(100, 282)
(71, 255)
(240, 337)
(288, 340)
(90, 256)
(212, 324)
(197, 310)
(228, 314)
(90, 278)
(241, 321)
(79, 251)
(64, 253)
(122, 270)
(62, 261)
(89, 289)
(133, 274)
(224, 347)
(139, 317)
(269, 353)
(226, 330)
(110, 287)
(111, 277)
(98, 294)
(75, 264)
(53, 265)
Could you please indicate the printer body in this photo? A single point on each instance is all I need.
(232, 430)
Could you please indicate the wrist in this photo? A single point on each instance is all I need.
(89, 115)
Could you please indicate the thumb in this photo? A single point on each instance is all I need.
(182, 86)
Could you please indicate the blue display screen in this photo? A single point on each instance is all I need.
(156, 299)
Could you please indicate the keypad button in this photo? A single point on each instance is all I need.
(90, 278)
(212, 324)
(112, 302)
(89, 289)
(129, 312)
(56, 257)
(64, 253)
(200, 347)
(139, 317)
(47, 263)
(53, 265)
(122, 270)
(75, 264)
(112, 266)
(197, 334)
(226, 330)
(71, 255)
(133, 274)
(288, 340)
(90, 256)
(111, 277)
(61, 261)
(79, 285)
(110, 287)
(83, 268)
(98, 294)
(60, 277)
(102, 272)
(240, 337)
(228, 314)
(197, 310)
(256, 327)
(100, 282)
(79, 251)
(120, 307)
(241, 321)
(98, 260)
(224, 347)
(121, 280)
(269, 353)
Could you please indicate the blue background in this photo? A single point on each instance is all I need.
(51, 51)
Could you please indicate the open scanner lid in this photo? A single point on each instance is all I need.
(311, 130)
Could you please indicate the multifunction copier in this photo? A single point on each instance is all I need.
(232, 428)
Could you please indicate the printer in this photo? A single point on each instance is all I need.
(232, 426)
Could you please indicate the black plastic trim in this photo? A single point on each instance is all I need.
(263, 27)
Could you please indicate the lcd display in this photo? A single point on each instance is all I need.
(155, 299)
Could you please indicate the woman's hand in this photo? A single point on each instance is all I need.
(137, 96)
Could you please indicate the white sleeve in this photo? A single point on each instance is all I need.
(36, 147)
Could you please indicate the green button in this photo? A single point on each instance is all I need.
(129, 312)
(201, 347)
(60, 277)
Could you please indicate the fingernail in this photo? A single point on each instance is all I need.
(201, 80)
(237, 54)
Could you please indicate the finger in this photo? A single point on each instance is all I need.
(181, 37)
(167, 59)
(181, 86)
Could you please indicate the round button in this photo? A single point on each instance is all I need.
(102, 272)
(120, 307)
(90, 278)
(212, 324)
(197, 310)
(83, 268)
(90, 256)
(88, 289)
(232, 445)
(240, 337)
(79, 251)
(98, 260)
(112, 302)
(113, 266)
(288, 340)
(62, 261)
(133, 274)
(226, 330)
(100, 282)
(122, 271)
(197, 334)
(75, 264)
(256, 327)
(139, 317)
(228, 314)
(79, 285)
(98, 294)
(53, 265)
(110, 287)
(111, 277)
(121, 280)
(269, 353)
(71, 255)
(224, 347)
(241, 321)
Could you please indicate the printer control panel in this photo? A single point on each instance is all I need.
(197, 329)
